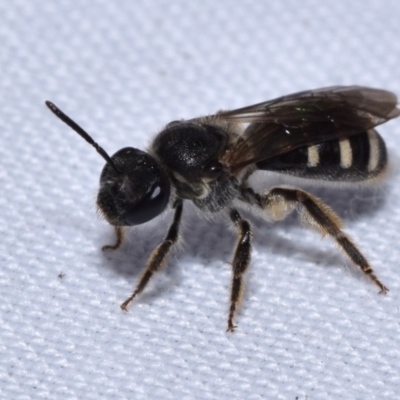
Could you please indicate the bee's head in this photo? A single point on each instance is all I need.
(133, 187)
(133, 190)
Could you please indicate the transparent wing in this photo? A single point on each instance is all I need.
(305, 118)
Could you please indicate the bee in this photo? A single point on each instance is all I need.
(325, 135)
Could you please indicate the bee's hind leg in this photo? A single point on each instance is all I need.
(281, 201)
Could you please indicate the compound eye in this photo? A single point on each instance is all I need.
(213, 169)
(150, 206)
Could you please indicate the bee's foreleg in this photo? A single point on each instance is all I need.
(158, 256)
(119, 233)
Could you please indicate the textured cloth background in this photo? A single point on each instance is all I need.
(310, 326)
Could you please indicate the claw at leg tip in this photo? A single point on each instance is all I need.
(383, 290)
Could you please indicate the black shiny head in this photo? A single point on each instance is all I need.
(133, 187)
(137, 193)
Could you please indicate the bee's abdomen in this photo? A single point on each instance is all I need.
(355, 158)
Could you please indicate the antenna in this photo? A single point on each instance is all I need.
(56, 111)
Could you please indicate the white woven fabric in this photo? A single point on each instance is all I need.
(309, 326)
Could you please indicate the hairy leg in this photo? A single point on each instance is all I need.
(280, 201)
(241, 260)
(158, 256)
